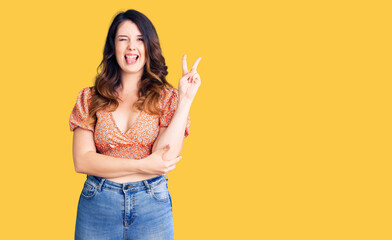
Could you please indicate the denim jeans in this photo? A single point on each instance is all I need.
(133, 210)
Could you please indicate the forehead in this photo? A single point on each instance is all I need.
(128, 28)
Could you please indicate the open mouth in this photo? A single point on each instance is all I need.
(131, 59)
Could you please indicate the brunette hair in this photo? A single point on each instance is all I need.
(109, 78)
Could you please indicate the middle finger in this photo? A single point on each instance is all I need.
(195, 64)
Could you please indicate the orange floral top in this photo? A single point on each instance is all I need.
(137, 142)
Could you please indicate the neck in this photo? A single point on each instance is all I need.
(129, 82)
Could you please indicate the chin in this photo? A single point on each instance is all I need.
(133, 71)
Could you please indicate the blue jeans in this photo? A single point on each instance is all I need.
(132, 210)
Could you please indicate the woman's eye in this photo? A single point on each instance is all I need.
(124, 39)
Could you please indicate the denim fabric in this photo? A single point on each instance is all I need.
(134, 210)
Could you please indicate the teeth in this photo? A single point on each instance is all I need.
(134, 57)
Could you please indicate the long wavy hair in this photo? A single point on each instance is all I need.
(108, 77)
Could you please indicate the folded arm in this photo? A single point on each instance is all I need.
(174, 133)
(88, 161)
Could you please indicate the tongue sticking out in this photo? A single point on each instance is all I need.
(131, 60)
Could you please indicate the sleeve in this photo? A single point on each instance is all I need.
(170, 100)
(80, 111)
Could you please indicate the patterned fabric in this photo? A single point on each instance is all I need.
(137, 142)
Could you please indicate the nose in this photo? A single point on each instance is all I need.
(131, 44)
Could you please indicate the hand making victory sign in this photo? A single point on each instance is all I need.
(190, 80)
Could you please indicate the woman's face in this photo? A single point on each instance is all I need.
(130, 50)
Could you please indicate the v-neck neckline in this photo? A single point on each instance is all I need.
(130, 128)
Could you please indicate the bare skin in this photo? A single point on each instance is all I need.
(167, 146)
(125, 117)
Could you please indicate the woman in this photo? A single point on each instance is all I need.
(128, 134)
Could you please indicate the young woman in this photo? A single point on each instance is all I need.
(128, 134)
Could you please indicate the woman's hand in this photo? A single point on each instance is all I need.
(154, 163)
(190, 81)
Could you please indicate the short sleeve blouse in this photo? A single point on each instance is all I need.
(137, 142)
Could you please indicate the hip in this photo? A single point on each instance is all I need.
(140, 209)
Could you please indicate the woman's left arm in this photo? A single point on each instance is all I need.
(174, 133)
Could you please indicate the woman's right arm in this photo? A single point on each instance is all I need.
(88, 161)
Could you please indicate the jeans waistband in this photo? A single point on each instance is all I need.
(138, 185)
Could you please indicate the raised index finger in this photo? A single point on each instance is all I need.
(184, 65)
(195, 64)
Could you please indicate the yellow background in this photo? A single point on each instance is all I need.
(291, 127)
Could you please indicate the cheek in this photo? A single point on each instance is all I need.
(119, 47)
(144, 59)
(119, 58)
(119, 53)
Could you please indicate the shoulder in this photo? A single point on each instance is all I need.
(86, 92)
(169, 94)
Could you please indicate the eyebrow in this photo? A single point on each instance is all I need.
(127, 36)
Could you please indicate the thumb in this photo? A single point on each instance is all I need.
(189, 74)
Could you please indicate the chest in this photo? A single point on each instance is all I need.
(124, 118)
(125, 129)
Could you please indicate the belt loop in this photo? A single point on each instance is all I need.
(100, 184)
(167, 178)
(147, 185)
